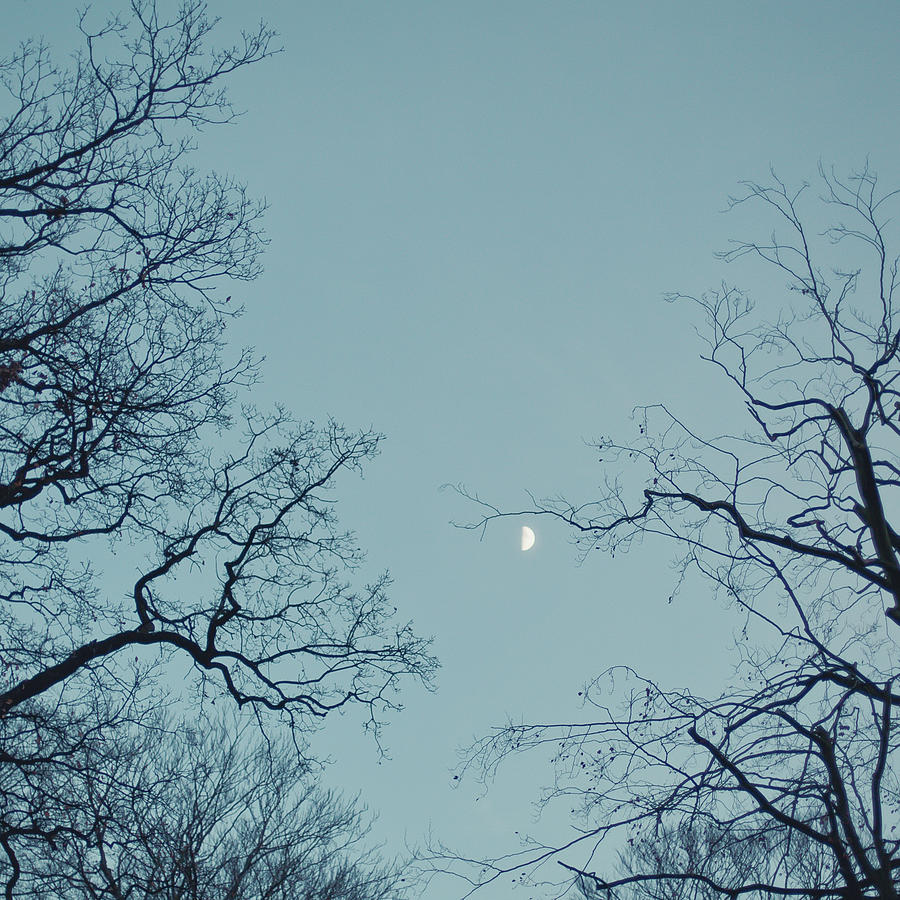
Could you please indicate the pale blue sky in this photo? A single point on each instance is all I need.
(475, 210)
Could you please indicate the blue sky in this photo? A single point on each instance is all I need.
(475, 209)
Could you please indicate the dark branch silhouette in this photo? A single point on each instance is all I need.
(174, 812)
(153, 530)
(791, 770)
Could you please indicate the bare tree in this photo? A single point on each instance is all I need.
(791, 523)
(220, 815)
(713, 860)
(120, 434)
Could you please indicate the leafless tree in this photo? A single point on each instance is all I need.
(177, 814)
(718, 859)
(792, 523)
(122, 448)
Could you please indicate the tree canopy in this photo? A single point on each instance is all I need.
(790, 521)
(156, 527)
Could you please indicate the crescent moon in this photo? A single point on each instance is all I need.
(527, 538)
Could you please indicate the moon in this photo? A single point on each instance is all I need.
(527, 538)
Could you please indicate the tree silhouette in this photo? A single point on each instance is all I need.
(710, 861)
(791, 523)
(173, 812)
(122, 446)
